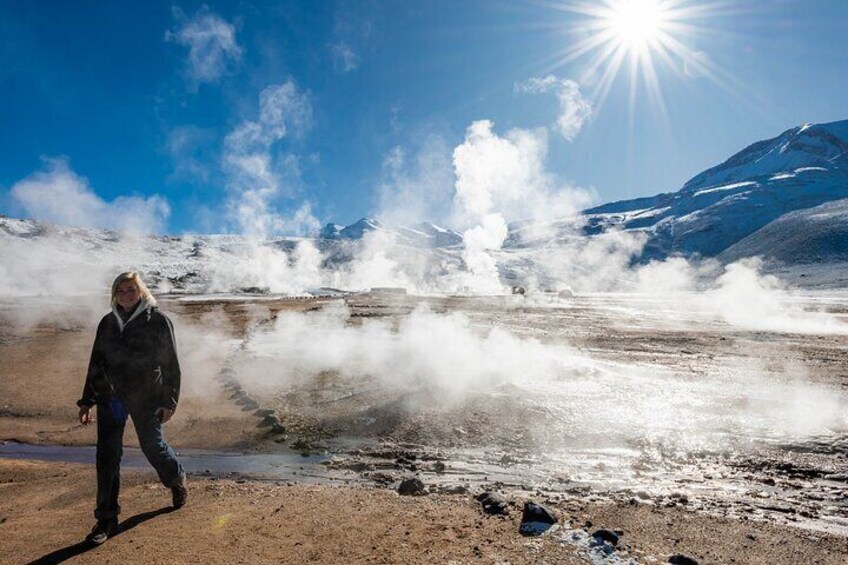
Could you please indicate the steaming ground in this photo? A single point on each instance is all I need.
(673, 401)
(608, 392)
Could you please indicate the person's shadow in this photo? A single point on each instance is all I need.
(66, 553)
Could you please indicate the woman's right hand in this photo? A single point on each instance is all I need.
(85, 415)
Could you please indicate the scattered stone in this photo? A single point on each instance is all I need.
(254, 290)
(493, 503)
(439, 467)
(380, 478)
(301, 444)
(607, 536)
(679, 496)
(248, 403)
(536, 519)
(274, 423)
(566, 293)
(680, 559)
(455, 489)
(411, 487)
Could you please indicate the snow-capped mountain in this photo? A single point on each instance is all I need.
(802, 168)
(812, 235)
(423, 234)
(784, 199)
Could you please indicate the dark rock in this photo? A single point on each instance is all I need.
(254, 290)
(439, 467)
(493, 503)
(248, 405)
(680, 559)
(606, 535)
(263, 413)
(269, 422)
(536, 519)
(380, 478)
(411, 486)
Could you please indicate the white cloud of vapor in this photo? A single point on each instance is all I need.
(640, 401)
(255, 173)
(345, 58)
(417, 183)
(189, 148)
(213, 48)
(323, 341)
(499, 179)
(574, 110)
(59, 195)
(506, 175)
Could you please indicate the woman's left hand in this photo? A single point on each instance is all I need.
(164, 414)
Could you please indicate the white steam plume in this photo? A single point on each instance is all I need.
(254, 176)
(255, 181)
(417, 183)
(58, 194)
(626, 400)
(574, 110)
(213, 48)
(501, 179)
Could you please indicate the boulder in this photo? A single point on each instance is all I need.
(536, 519)
(411, 486)
(680, 559)
(607, 536)
(493, 503)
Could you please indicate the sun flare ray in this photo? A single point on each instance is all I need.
(648, 36)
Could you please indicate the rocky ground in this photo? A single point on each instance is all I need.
(751, 500)
(45, 507)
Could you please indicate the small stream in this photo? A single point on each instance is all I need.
(268, 466)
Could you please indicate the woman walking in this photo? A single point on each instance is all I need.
(133, 372)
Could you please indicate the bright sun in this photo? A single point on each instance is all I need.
(636, 23)
(642, 33)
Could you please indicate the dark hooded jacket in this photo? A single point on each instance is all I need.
(137, 363)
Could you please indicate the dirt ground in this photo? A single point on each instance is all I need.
(785, 498)
(45, 510)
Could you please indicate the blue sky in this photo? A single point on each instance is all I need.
(206, 116)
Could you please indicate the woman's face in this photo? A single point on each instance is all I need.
(127, 294)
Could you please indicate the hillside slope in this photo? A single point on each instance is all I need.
(802, 168)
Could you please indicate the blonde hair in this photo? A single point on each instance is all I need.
(136, 278)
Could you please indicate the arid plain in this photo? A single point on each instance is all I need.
(299, 418)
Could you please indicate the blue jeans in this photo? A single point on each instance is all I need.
(110, 437)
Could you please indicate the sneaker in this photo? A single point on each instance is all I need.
(179, 493)
(103, 530)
